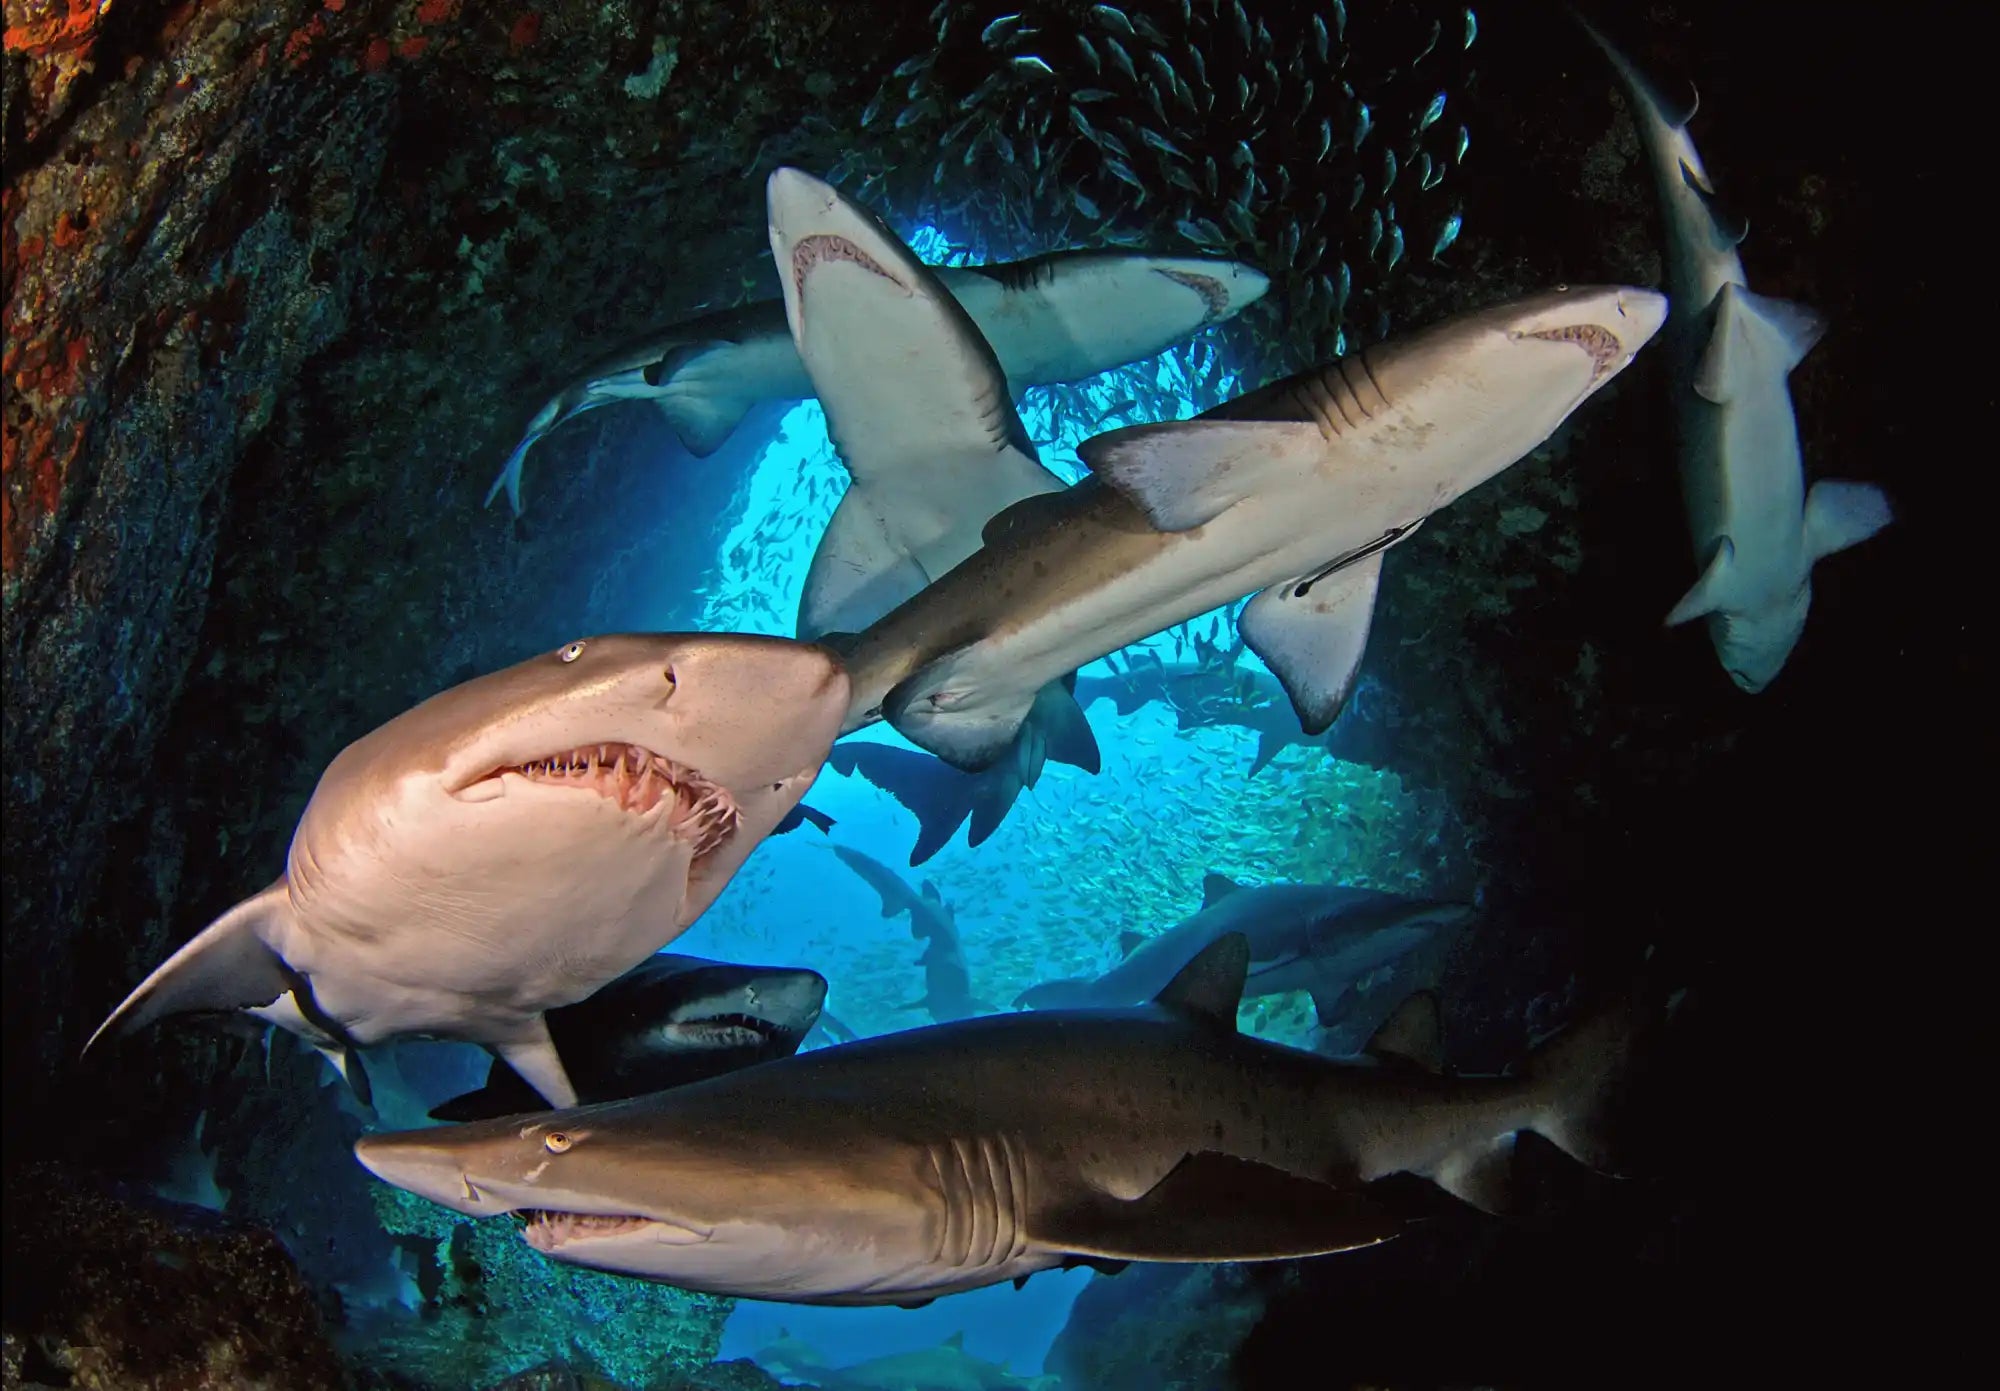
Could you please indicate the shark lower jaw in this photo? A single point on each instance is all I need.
(638, 781)
(721, 1031)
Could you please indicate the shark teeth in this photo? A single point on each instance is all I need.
(547, 1230)
(639, 780)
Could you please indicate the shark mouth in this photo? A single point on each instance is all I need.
(1214, 294)
(548, 1230)
(639, 780)
(721, 1031)
(1601, 343)
(825, 246)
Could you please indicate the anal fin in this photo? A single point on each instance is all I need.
(1216, 1207)
(1312, 634)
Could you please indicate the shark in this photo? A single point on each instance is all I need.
(1757, 529)
(1291, 494)
(666, 1022)
(947, 983)
(512, 844)
(1207, 694)
(1358, 952)
(922, 1163)
(1058, 317)
(919, 411)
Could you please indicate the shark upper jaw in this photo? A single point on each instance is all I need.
(1226, 288)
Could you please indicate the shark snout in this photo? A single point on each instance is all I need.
(417, 1162)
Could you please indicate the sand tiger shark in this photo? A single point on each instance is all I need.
(668, 1021)
(1757, 530)
(918, 1164)
(1324, 939)
(919, 411)
(1291, 493)
(947, 981)
(512, 844)
(1055, 318)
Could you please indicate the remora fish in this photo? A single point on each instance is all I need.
(1324, 939)
(1055, 318)
(947, 983)
(512, 844)
(941, 1159)
(668, 1021)
(1757, 531)
(1294, 490)
(918, 409)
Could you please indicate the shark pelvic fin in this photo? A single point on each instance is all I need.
(1312, 632)
(1186, 473)
(533, 1056)
(1215, 1207)
(1065, 730)
(226, 966)
(1710, 590)
(1210, 987)
(1840, 514)
(1411, 1034)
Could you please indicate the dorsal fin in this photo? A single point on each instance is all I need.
(1210, 987)
(1216, 887)
(1411, 1034)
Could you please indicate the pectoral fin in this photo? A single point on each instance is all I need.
(857, 574)
(533, 1056)
(1710, 590)
(1841, 514)
(1214, 1207)
(1186, 473)
(1312, 633)
(226, 966)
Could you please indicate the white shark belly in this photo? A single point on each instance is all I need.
(1743, 479)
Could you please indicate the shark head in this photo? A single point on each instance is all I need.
(617, 777)
(1755, 643)
(812, 225)
(1504, 378)
(683, 1004)
(704, 1196)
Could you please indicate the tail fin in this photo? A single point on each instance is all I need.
(510, 474)
(1575, 1077)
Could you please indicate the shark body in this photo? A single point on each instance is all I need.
(1757, 530)
(947, 981)
(668, 1021)
(1323, 939)
(509, 846)
(918, 1164)
(1056, 318)
(1291, 493)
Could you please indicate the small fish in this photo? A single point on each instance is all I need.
(1447, 234)
(1123, 173)
(911, 66)
(1374, 230)
(1120, 59)
(915, 112)
(1089, 53)
(1363, 123)
(1161, 67)
(1082, 123)
(1357, 193)
(1242, 24)
(1148, 30)
(1209, 179)
(1395, 246)
(1090, 94)
(996, 33)
(1241, 156)
(1437, 29)
(1340, 21)
(1085, 206)
(1178, 177)
(1325, 139)
(1112, 18)
(1432, 175)
(1199, 65)
(1431, 112)
(1028, 62)
(1242, 92)
(1464, 140)
(874, 110)
(1389, 170)
(1471, 27)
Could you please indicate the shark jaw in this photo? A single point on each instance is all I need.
(637, 780)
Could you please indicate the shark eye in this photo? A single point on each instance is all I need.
(572, 651)
(557, 1142)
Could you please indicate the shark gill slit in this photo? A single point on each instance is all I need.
(981, 1188)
